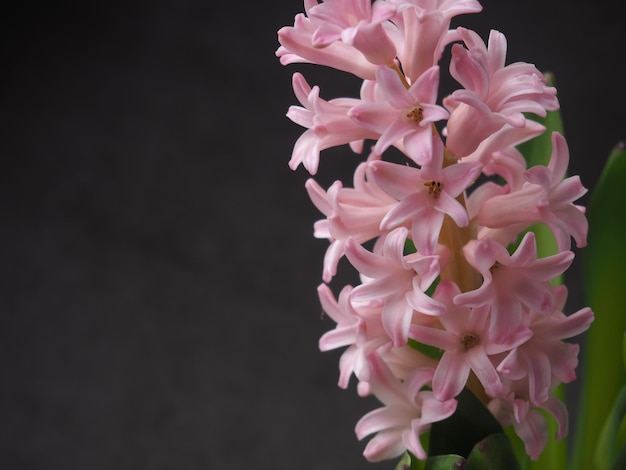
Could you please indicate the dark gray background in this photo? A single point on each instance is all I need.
(157, 291)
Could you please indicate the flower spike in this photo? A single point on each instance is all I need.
(437, 220)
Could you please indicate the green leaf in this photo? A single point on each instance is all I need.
(624, 349)
(620, 460)
(458, 434)
(430, 351)
(518, 447)
(605, 272)
(410, 462)
(409, 247)
(607, 449)
(405, 462)
(446, 462)
(493, 453)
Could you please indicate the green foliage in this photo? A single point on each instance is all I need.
(607, 450)
(492, 453)
(410, 462)
(427, 349)
(446, 462)
(458, 434)
(605, 277)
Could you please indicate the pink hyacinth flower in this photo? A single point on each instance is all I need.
(359, 328)
(425, 196)
(390, 276)
(512, 281)
(297, 46)
(408, 412)
(545, 358)
(547, 197)
(528, 422)
(425, 31)
(500, 141)
(468, 343)
(358, 23)
(327, 122)
(350, 213)
(494, 94)
(405, 115)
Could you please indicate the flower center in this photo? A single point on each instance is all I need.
(416, 114)
(469, 340)
(434, 188)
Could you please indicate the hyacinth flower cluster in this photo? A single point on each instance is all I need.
(452, 292)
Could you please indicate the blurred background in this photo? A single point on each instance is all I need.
(158, 305)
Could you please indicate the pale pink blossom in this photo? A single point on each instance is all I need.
(425, 31)
(408, 412)
(512, 282)
(350, 213)
(500, 141)
(493, 93)
(335, 33)
(425, 196)
(545, 359)
(327, 122)
(468, 343)
(514, 408)
(509, 164)
(359, 328)
(389, 276)
(547, 196)
(296, 46)
(405, 115)
(358, 23)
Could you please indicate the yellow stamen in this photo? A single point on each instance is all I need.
(416, 114)
(434, 188)
(469, 340)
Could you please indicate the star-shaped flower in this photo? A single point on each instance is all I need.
(404, 115)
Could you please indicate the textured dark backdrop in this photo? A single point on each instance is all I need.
(157, 296)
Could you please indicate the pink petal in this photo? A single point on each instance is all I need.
(381, 419)
(435, 337)
(385, 445)
(418, 143)
(425, 88)
(410, 207)
(396, 180)
(397, 130)
(393, 89)
(396, 319)
(364, 261)
(485, 371)
(451, 375)
(434, 410)
(449, 205)
(539, 377)
(534, 433)
(558, 409)
(559, 160)
(423, 303)
(426, 231)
